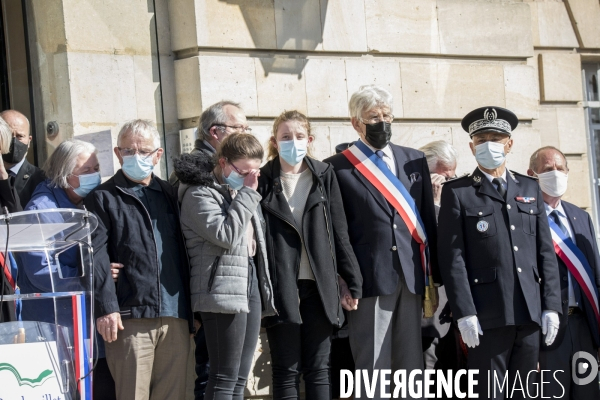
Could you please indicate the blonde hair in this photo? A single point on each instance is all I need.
(293, 115)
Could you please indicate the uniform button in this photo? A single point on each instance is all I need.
(480, 213)
(540, 280)
(564, 302)
(565, 278)
(516, 248)
(508, 206)
(512, 227)
(476, 280)
(530, 211)
(394, 248)
(395, 226)
(519, 269)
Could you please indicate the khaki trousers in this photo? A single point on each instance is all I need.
(148, 361)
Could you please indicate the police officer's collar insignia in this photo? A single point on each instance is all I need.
(476, 178)
(482, 226)
(527, 200)
(514, 178)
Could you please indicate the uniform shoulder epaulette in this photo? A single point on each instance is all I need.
(463, 176)
(523, 175)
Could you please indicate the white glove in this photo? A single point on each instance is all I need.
(550, 323)
(470, 330)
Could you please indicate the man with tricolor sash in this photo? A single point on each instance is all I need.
(388, 201)
(576, 249)
(497, 260)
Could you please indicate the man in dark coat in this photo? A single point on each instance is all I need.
(578, 323)
(496, 258)
(26, 176)
(385, 330)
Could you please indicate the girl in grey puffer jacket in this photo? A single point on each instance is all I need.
(230, 284)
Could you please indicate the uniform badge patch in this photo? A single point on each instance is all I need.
(482, 226)
(477, 179)
(525, 199)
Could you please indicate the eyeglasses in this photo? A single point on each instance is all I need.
(126, 152)
(236, 128)
(237, 170)
(376, 120)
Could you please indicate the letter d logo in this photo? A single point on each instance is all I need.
(589, 366)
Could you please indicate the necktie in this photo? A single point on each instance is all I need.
(499, 183)
(381, 154)
(572, 283)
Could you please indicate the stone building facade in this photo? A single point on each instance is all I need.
(94, 64)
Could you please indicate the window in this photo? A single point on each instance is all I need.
(591, 103)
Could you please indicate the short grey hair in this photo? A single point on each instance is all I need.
(367, 97)
(62, 162)
(533, 160)
(214, 114)
(139, 127)
(5, 136)
(439, 152)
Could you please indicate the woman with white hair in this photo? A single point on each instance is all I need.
(72, 171)
(9, 198)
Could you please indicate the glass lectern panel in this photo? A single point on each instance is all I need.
(47, 348)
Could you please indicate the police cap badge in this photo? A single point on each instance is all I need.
(490, 118)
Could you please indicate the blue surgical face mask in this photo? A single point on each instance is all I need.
(87, 183)
(490, 155)
(293, 151)
(234, 180)
(137, 168)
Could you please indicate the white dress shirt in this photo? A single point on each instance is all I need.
(562, 216)
(490, 177)
(388, 156)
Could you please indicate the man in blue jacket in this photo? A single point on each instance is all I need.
(571, 227)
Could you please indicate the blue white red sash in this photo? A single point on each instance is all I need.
(377, 173)
(577, 264)
(82, 346)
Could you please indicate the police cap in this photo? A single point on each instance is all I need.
(490, 118)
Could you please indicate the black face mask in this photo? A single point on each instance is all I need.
(378, 135)
(16, 153)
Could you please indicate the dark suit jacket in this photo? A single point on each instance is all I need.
(585, 239)
(496, 256)
(26, 181)
(377, 232)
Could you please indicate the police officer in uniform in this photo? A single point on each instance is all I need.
(497, 260)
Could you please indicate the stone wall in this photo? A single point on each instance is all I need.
(440, 59)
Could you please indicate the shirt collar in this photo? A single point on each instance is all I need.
(15, 168)
(387, 150)
(559, 208)
(490, 177)
(154, 185)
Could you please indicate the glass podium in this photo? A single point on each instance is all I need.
(47, 346)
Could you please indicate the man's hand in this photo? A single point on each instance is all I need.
(109, 325)
(550, 323)
(436, 183)
(114, 270)
(346, 300)
(251, 180)
(470, 330)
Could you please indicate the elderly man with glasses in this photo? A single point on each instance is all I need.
(145, 319)
(381, 183)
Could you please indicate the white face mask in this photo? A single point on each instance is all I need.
(553, 183)
(490, 155)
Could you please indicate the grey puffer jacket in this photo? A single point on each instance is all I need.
(214, 227)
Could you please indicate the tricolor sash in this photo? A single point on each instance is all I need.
(82, 348)
(577, 264)
(372, 167)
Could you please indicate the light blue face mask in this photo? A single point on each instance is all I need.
(490, 155)
(87, 183)
(137, 168)
(234, 180)
(293, 151)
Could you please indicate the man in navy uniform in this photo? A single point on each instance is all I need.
(496, 258)
(578, 323)
(385, 330)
